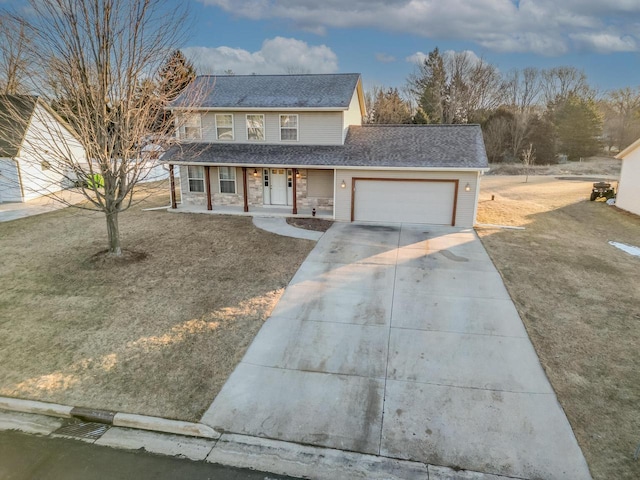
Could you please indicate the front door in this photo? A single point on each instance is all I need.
(278, 186)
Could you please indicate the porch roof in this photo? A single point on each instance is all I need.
(375, 146)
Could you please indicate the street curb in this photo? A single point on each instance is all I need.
(32, 406)
(157, 424)
(232, 450)
(117, 419)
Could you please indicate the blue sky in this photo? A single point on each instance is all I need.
(378, 37)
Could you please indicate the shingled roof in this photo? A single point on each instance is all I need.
(407, 146)
(269, 91)
(15, 115)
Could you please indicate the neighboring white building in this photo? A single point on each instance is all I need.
(297, 143)
(628, 197)
(33, 139)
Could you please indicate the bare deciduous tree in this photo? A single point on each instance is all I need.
(528, 158)
(456, 87)
(386, 106)
(99, 61)
(15, 62)
(621, 112)
(523, 88)
(560, 82)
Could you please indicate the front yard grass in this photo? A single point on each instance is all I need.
(158, 336)
(579, 298)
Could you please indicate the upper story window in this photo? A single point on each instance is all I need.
(227, 179)
(255, 127)
(289, 128)
(224, 126)
(191, 128)
(195, 173)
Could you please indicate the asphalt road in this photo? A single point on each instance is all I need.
(30, 457)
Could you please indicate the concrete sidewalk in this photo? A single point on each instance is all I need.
(279, 226)
(14, 211)
(402, 342)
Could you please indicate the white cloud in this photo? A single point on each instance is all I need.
(385, 58)
(418, 58)
(277, 55)
(605, 42)
(548, 27)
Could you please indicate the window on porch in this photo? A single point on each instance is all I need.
(195, 174)
(227, 179)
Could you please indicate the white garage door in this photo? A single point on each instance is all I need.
(404, 201)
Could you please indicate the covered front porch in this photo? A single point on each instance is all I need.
(256, 191)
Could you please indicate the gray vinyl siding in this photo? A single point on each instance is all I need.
(466, 205)
(320, 183)
(314, 128)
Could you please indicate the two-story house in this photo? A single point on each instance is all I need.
(296, 144)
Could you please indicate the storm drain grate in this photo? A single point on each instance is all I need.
(87, 430)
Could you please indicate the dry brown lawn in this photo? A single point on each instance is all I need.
(157, 337)
(579, 298)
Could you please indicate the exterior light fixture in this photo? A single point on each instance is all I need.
(255, 172)
(297, 173)
(343, 185)
(467, 188)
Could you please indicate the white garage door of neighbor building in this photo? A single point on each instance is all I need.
(404, 201)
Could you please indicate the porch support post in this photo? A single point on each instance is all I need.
(207, 186)
(294, 181)
(244, 189)
(172, 192)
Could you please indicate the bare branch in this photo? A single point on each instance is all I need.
(98, 64)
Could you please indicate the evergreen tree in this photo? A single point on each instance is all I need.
(429, 86)
(173, 77)
(176, 74)
(578, 127)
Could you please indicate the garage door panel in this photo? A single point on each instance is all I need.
(404, 201)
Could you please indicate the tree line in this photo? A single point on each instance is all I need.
(542, 113)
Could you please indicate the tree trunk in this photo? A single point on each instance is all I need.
(114, 234)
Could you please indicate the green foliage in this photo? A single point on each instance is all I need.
(578, 127)
(95, 181)
(430, 87)
(543, 137)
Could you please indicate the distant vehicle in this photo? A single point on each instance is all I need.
(602, 190)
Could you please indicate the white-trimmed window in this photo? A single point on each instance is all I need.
(224, 126)
(195, 175)
(227, 179)
(289, 128)
(255, 128)
(191, 129)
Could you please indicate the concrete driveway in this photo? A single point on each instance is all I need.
(402, 341)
